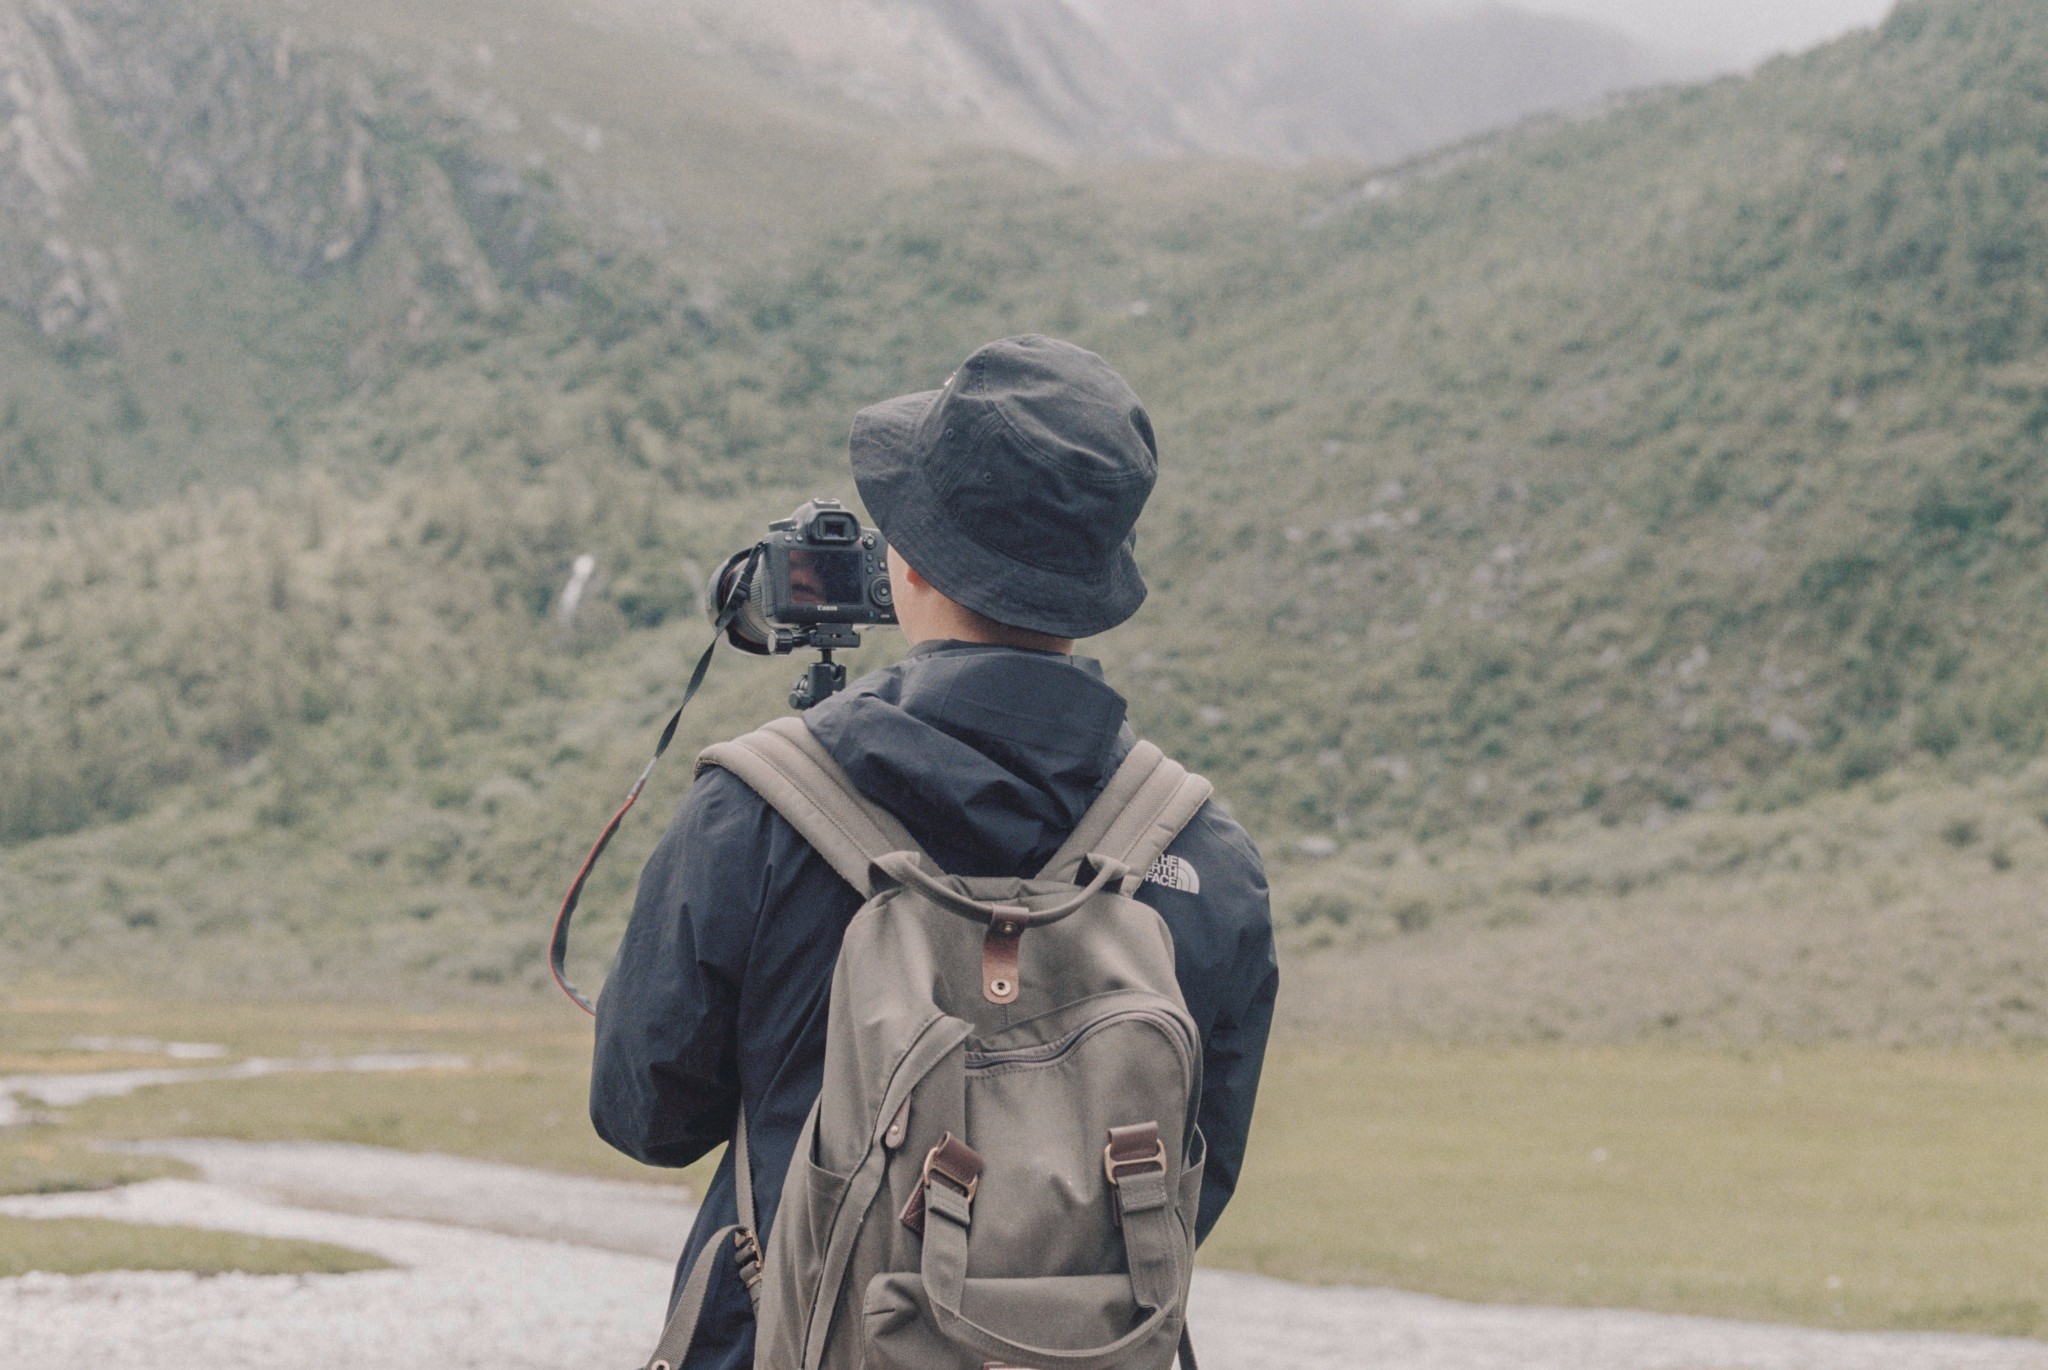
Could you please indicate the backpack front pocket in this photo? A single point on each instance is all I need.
(1054, 1321)
(1042, 1109)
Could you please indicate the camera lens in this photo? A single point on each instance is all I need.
(750, 630)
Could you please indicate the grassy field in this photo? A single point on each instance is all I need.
(76, 1246)
(1843, 1186)
(1904, 912)
(521, 1100)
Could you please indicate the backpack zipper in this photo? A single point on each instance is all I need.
(1051, 1052)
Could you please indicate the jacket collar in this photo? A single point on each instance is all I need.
(984, 752)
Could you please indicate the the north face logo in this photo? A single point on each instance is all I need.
(1173, 873)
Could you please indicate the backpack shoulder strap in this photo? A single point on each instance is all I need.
(680, 1331)
(785, 765)
(1141, 810)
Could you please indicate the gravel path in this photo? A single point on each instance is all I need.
(608, 1215)
(505, 1268)
(65, 1091)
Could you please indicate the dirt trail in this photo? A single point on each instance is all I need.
(520, 1270)
(66, 1091)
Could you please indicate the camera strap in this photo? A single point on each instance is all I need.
(558, 943)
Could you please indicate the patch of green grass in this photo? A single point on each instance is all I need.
(522, 1099)
(519, 1112)
(80, 1246)
(1836, 1187)
(33, 1161)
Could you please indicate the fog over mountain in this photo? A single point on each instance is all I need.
(1282, 80)
(1730, 33)
(1376, 79)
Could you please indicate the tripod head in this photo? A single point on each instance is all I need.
(825, 677)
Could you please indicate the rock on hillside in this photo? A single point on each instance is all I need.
(303, 156)
(1034, 74)
(278, 150)
(65, 288)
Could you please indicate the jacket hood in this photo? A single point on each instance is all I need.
(983, 752)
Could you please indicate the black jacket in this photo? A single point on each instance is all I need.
(988, 756)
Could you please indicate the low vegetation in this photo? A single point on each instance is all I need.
(79, 1246)
(1903, 911)
(1844, 1186)
(521, 1098)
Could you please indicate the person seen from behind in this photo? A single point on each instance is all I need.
(1009, 500)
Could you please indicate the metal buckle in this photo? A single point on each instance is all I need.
(1114, 1169)
(966, 1187)
(747, 1254)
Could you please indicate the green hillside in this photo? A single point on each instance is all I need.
(217, 223)
(1632, 503)
(647, 136)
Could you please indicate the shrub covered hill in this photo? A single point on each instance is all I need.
(1602, 552)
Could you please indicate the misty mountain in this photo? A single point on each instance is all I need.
(1286, 80)
(404, 172)
(1377, 80)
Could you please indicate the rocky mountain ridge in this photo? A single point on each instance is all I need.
(311, 152)
(311, 159)
(66, 289)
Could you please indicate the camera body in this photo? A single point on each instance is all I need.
(817, 578)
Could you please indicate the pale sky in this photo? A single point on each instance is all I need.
(1742, 30)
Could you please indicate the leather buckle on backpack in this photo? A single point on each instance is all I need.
(953, 1161)
(1132, 1151)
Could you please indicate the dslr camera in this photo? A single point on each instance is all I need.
(811, 584)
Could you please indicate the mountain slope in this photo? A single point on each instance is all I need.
(1681, 455)
(1659, 473)
(240, 233)
(218, 215)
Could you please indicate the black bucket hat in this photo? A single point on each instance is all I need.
(1016, 488)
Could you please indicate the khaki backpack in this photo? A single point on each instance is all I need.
(1002, 1169)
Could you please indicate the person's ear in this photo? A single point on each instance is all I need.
(897, 565)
